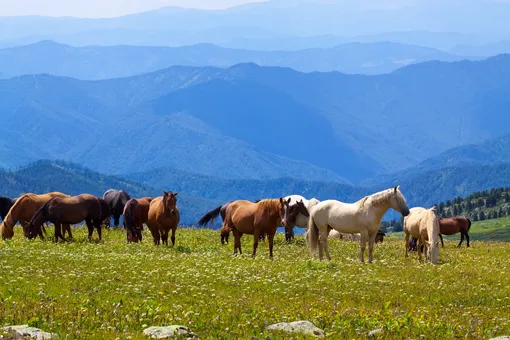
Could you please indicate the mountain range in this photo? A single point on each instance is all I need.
(104, 62)
(302, 18)
(252, 122)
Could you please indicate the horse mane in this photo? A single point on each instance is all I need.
(362, 201)
(384, 196)
(269, 203)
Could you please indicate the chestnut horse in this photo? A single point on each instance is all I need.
(163, 217)
(213, 215)
(245, 217)
(23, 210)
(454, 225)
(68, 210)
(136, 213)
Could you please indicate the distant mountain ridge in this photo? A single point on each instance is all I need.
(104, 62)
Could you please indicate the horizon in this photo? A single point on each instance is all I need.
(110, 9)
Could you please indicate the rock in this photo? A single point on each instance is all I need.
(375, 332)
(26, 331)
(504, 337)
(170, 332)
(303, 327)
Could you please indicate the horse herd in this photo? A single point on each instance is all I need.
(320, 219)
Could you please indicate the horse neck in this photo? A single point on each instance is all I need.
(379, 208)
(433, 230)
(272, 208)
(13, 215)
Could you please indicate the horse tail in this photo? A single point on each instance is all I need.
(210, 216)
(313, 235)
(129, 215)
(469, 223)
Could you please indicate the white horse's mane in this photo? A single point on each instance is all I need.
(381, 197)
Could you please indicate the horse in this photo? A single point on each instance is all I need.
(6, 204)
(67, 210)
(136, 213)
(362, 217)
(23, 210)
(245, 217)
(379, 237)
(423, 225)
(298, 214)
(454, 225)
(212, 215)
(116, 200)
(163, 216)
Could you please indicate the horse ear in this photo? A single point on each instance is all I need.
(281, 200)
(176, 193)
(288, 201)
(396, 188)
(165, 193)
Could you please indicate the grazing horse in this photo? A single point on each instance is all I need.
(136, 213)
(454, 225)
(23, 210)
(298, 214)
(68, 210)
(423, 225)
(105, 212)
(213, 215)
(163, 217)
(362, 217)
(379, 237)
(245, 217)
(6, 204)
(116, 200)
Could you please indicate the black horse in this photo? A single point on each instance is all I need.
(116, 200)
(6, 204)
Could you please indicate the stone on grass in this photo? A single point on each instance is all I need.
(303, 327)
(375, 332)
(26, 331)
(165, 332)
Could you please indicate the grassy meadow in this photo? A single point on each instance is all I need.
(113, 290)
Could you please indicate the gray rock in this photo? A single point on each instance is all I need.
(375, 332)
(26, 331)
(166, 332)
(303, 327)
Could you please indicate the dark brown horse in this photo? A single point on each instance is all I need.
(291, 218)
(454, 225)
(6, 204)
(67, 210)
(379, 237)
(105, 213)
(163, 217)
(245, 217)
(136, 213)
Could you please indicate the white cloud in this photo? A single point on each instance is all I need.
(103, 8)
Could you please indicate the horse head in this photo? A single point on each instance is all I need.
(284, 210)
(398, 202)
(294, 210)
(170, 201)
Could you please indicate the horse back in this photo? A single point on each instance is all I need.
(453, 225)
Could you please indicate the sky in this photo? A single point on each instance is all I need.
(103, 8)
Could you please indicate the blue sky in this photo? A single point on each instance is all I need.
(102, 8)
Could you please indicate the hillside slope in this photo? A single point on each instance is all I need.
(320, 126)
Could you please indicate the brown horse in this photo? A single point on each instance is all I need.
(163, 217)
(23, 210)
(454, 225)
(136, 213)
(105, 213)
(244, 217)
(68, 210)
(379, 237)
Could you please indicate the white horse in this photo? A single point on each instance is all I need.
(362, 217)
(423, 225)
(352, 237)
(297, 214)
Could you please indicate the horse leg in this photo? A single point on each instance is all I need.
(98, 228)
(371, 242)
(155, 235)
(67, 227)
(467, 238)
(461, 239)
(407, 244)
(441, 238)
(321, 242)
(420, 247)
(270, 237)
(173, 237)
(237, 241)
(58, 232)
(256, 237)
(363, 245)
(326, 248)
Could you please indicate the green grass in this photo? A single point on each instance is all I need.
(113, 290)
